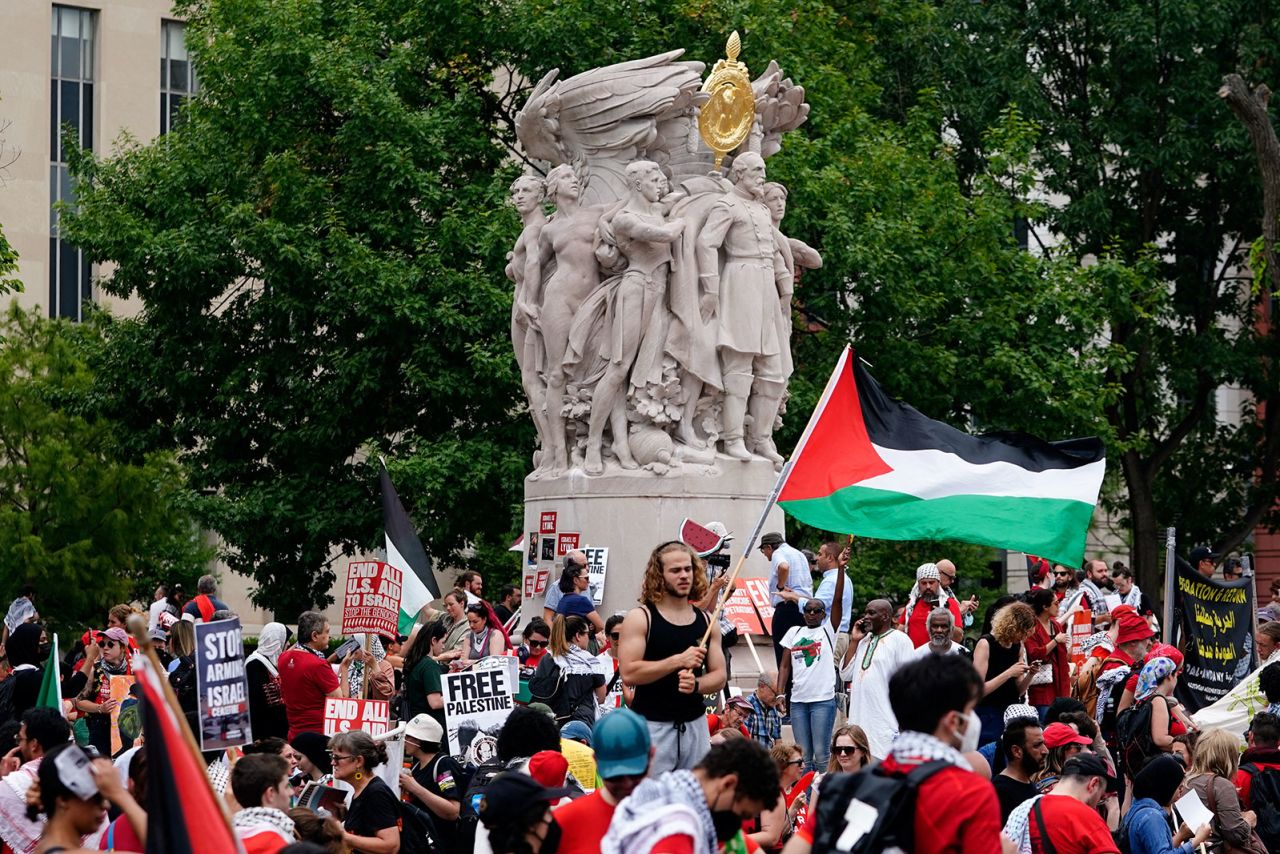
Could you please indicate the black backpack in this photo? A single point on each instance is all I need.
(1133, 735)
(1264, 795)
(417, 830)
(546, 681)
(886, 809)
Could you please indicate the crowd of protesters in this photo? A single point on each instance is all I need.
(1008, 745)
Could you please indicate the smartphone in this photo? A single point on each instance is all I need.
(347, 648)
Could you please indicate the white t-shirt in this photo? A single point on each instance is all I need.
(869, 686)
(813, 665)
(956, 649)
(157, 608)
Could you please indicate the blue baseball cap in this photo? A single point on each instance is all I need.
(621, 743)
(577, 731)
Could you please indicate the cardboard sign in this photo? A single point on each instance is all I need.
(476, 705)
(597, 566)
(758, 590)
(126, 708)
(1080, 629)
(372, 600)
(566, 541)
(547, 522)
(740, 610)
(344, 715)
(222, 687)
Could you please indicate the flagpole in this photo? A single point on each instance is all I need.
(137, 626)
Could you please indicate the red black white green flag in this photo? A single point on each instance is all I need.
(875, 467)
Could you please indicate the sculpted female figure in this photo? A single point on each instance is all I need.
(568, 242)
(644, 237)
(526, 196)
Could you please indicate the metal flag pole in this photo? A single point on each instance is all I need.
(1170, 539)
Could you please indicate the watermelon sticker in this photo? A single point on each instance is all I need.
(702, 540)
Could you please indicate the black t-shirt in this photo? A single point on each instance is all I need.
(375, 809)
(1011, 794)
(445, 777)
(503, 612)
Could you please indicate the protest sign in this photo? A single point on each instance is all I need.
(344, 715)
(476, 705)
(535, 582)
(547, 522)
(741, 612)
(372, 600)
(1080, 628)
(597, 566)
(566, 541)
(222, 686)
(1214, 623)
(758, 590)
(125, 709)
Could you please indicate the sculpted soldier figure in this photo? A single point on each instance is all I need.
(643, 236)
(796, 255)
(746, 289)
(526, 339)
(568, 240)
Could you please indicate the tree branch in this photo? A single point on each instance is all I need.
(1251, 108)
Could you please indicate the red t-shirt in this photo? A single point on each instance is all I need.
(918, 629)
(305, 680)
(715, 723)
(583, 823)
(963, 814)
(1073, 827)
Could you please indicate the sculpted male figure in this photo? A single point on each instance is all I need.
(746, 290)
(526, 196)
(568, 239)
(644, 238)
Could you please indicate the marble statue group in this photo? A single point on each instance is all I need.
(651, 318)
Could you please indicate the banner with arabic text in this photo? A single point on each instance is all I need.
(1215, 623)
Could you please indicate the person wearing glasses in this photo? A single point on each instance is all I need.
(811, 661)
(537, 636)
(616, 692)
(573, 561)
(95, 700)
(575, 599)
(372, 823)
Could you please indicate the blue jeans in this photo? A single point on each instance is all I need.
(812, 724)
(992, 723)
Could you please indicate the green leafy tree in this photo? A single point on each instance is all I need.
(80, 518)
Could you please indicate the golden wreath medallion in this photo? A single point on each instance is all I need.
(726, 118)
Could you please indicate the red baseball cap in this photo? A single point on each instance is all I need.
(1059, 734)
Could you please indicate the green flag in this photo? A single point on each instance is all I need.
(51, 685)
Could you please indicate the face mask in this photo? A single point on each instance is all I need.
(550, 842)
(44, 649)
(727, 824)
(972, 731)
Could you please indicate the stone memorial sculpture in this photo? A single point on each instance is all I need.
(652, 308)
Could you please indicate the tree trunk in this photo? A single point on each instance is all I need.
(1148, 568)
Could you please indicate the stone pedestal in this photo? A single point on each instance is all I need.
(631, 512)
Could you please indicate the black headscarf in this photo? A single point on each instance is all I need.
(24, 645)
(315, 747)
(1159, 780)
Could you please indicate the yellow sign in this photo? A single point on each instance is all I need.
(725, 119)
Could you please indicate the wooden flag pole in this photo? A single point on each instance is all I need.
(751, 544)
(137, 626)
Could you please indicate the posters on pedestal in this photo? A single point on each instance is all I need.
(372, 600)
(222, 686)
(566, 541)
(597, 567)
(476, 705)
(547, 522)
(548, 549)
(535, 582)
(343, 715)
(531, 546)
(1214, 622)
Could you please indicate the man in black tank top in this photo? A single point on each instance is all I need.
(660, 653)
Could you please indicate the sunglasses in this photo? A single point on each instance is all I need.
(615, 636)
(533, 644)
(1062, 574)
(842, 750)
(815, 610)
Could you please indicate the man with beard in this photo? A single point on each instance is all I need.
(696, 811)
(660, 653)
(1095, 578)
(1069, 815)
(926, 593)
(1024, 750)
(876, 651)
(941, 625)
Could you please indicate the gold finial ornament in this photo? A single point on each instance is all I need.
(726, 118)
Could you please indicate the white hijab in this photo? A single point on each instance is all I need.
(270, 645)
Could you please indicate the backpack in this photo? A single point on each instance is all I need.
(1264, 795)
(1085, 686)
(546, 681)
(1133, 735)
(417, 830)
(870, 811)
(1106, 714)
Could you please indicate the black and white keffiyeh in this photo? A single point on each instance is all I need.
(917, 748)
(258, 818)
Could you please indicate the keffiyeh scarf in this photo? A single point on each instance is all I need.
(641, 814)
(355, 673)
(20, 612)
(260, 818)
(917, 748)
(577, 661)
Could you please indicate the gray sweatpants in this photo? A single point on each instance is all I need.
(678, 745)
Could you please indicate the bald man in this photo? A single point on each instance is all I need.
(876, 651)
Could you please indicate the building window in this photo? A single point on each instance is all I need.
(71, 82)
(177, 76)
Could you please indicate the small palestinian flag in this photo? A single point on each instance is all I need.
(50, 695)
(873, 466)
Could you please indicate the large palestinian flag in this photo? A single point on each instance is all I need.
(405, 553)
(873, 466)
